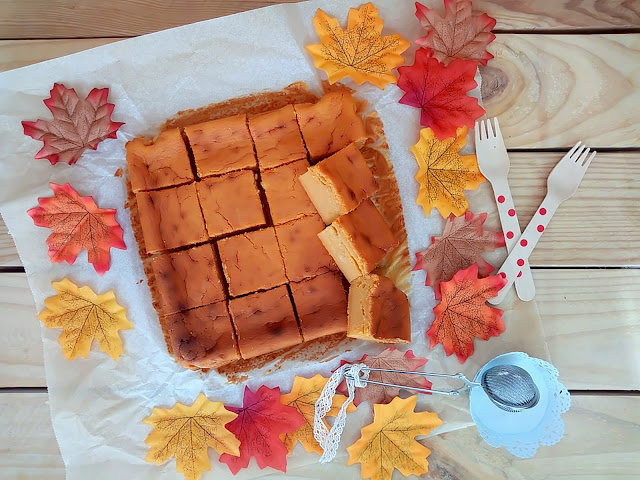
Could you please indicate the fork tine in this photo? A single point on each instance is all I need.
(489, 129)
(586, 163)
(477, 132)
(496, 127)
(583, 155)
(575, 155)
(575, 147)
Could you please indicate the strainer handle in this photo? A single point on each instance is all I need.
(457, 376)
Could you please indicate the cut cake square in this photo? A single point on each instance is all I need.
(285, 195)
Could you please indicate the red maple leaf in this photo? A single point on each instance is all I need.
(389, 359)
(463, 314)
(461, 245)
(77, 124)
(441, 93)
(260, 422)
(77, 224)
(459, 34)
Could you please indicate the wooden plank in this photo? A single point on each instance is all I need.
(550, 91)
(124, 18)
(581, 311)
(28, 447)
(600, 442)
(599, 226)
(21, 359)
(592, 327)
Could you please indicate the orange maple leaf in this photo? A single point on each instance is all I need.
(444, 174)
(187, 432)
(360, 51)
(77, 224)
(459, 34)
(303, 396)
(389, 442)
(83, 317)
(77, 124)
(463, 314)
(461, 245)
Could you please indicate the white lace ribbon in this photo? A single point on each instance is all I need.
(354, 376)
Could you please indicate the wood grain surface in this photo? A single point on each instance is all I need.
(578, 308)
(126, 18)
(597, 433)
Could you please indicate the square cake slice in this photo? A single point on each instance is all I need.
(321, 303)
(251, 261)
(338, 184)
(378, 311)
(221, 146)
(170, 218)
(302, 251)
(230, 203)
(202, 337)
(187, 279)
(285, 195)
(359, 240)
(277, 137)
(162, 162)
(330, 124)
(265, 322)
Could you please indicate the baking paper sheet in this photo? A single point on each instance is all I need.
(97, 405)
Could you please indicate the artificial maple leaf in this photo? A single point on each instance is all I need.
(459, 34)
(389, 442)
(461, 245)
(261, 420)
(77, 224)
(77, 124)
(187, 432)
(389, 359)
(83, 317)
(360, 51)
(463, 314)
(440, 92)
(444, 174)
(303, 396)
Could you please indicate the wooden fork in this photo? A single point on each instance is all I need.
(562, 183)
(494, 165)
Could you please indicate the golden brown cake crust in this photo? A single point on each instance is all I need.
(161, 162)
(264, 322)
(302, 251)
(221, 146)
(251, 261)
(321, 304)
(277, 137)
(285, 195)
(378, 310)
(202, 337)
(187, 279)
(230, 203)
(330, 124)
(170, 218)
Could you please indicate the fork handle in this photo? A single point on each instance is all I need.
(520, 254)
(525, 288)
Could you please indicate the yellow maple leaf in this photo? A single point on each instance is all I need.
(360, 51)
(83, 315)
(186, 432)
(444, 174)
(303, 396)
(389, 442)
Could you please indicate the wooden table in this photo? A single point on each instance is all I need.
(564, 71)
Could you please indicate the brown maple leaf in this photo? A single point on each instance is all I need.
(459, 34)
(78, 224)
(389, 359)
(360, 51)
(463, 314)
(77, 124)
(461, 245)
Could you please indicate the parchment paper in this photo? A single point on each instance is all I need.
(97, 404)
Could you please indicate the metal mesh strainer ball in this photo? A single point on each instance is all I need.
(510, 387)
